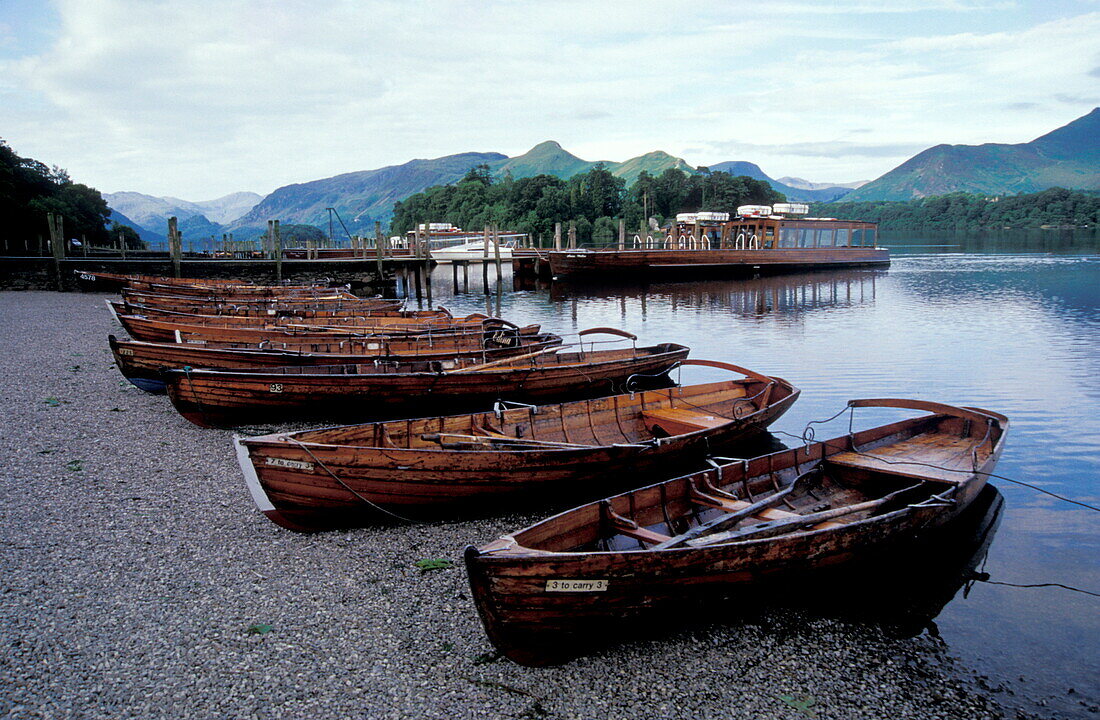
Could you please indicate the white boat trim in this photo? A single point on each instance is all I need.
(263, 503)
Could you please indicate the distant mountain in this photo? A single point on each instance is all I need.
(205, 218)
(363, 197)
(1067, 157)
(821, 194)
(227, 209)
(802, 184)
(152, 239)
(546, 158)
(654, 163)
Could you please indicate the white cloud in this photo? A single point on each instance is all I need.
(202, 98)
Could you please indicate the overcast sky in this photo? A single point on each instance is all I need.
(201, 98)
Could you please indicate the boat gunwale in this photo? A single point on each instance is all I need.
(283, 439)
(514, 551)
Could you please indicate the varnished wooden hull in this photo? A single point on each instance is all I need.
(258, 306)
(317, 480)
(159, 329)
(530, 618)
(208, 397)
(143, 363)
(622, 264)
(305, 315)
(113, 282)
(230, 292)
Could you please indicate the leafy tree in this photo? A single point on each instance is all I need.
(130, 238)
(294, 235)
(29, 189)
(965, 211)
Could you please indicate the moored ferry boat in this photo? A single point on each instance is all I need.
(759, 238)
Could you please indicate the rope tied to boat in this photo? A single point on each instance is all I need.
(807, 432)
(344, 485)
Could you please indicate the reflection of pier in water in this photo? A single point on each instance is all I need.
(765, 295)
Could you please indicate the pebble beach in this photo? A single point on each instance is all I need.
(137, 580)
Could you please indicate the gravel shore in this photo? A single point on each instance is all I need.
(139, 581)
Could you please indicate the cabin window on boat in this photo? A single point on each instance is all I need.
(788, 237)
(857, 237)
(871, 237)
(825, 238)
(806, 238)
(842, 237)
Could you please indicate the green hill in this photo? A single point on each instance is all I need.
(1067, 157)
(794, 194)
(546, 158)
(361, 198)
(654, 163)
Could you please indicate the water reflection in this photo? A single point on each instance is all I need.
(753, 297)
(1029, 240)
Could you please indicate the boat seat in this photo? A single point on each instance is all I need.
(895, 465)
(626, 526)
(678, 421)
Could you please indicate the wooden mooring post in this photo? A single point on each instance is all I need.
(622, 234)
(572, 235)
(57, 244)
(427, 266)
(557, 236)
(277, 245)
(174, 245)
(496, 251)
(485, 262)
(378, 247)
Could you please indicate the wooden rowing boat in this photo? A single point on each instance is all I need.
(303, 315)
(255, 306)
(344, 476)
(229, 292)
(161, 329)
(142, 363)
(382, 389)
(195, 286)
(545, 592)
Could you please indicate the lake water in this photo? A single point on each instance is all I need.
(1005, 321)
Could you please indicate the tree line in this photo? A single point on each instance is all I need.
(594, 201)
(30, 190)
(967, 211)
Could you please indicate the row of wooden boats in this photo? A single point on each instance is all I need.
(470, 420)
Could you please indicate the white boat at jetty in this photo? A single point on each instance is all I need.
(450, 244)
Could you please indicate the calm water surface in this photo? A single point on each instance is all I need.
(1008, 323)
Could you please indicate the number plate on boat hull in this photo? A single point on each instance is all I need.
(294, 464)
(576, 586)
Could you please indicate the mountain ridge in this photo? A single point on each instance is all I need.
(1068, 156)
(743, 167)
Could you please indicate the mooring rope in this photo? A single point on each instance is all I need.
(344, 485)
(808, 433)
(983, 577)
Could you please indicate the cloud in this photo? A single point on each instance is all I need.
(831, 149)
(208, 97)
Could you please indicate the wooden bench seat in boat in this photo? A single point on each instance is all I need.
(934, 456)
(678, 421)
